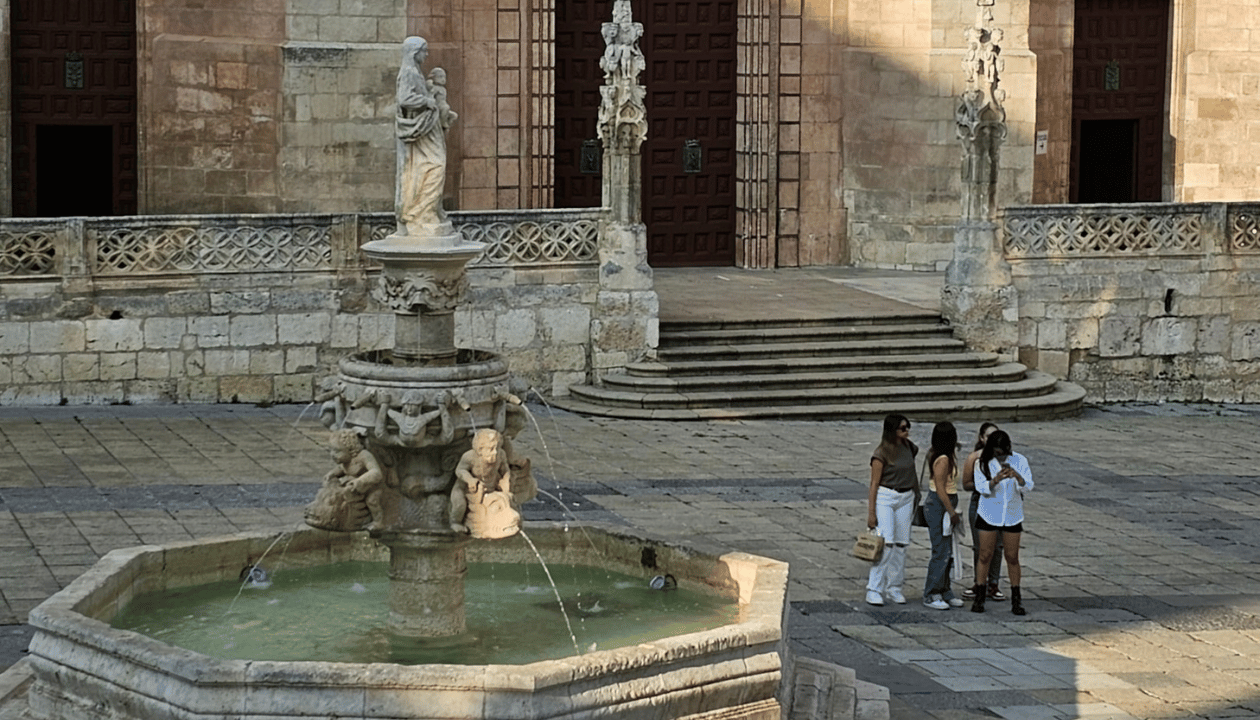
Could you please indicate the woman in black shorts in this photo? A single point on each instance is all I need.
(1002, 478)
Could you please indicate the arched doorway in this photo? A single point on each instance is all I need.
(689, 156)
(74, 107)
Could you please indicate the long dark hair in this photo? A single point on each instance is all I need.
(980, 434)
(944, 444)
(999, 442)
(889, 441)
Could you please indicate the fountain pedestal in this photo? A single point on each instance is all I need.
(423, 281)
(426, 583)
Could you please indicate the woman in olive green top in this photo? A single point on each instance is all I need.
(891, 506)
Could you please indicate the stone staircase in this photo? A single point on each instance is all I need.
(858, 368)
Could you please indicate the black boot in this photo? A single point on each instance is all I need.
(977, 604)
(1017, 602)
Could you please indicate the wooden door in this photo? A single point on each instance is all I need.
(579, 45)
(689, 45)
(1119, 81)
(690, 212)
(74, 107)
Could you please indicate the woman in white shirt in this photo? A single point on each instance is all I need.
(1002, 479)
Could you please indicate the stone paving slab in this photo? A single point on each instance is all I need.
(1139, 560)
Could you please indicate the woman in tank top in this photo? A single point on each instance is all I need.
(890, 508)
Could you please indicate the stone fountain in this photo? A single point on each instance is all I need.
(404, 419)
(423, 461)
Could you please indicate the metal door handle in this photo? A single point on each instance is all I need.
(591, 157)
(693, 156)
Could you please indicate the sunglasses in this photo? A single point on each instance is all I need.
(904, 427)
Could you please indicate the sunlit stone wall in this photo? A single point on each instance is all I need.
(1147, 302)
(260, 308)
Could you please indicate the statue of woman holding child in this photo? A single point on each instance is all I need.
(422, 119)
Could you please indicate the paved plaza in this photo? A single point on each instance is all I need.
(1139, 553)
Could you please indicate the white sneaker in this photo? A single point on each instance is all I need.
(897, 597)
(955, 602)
(935, 602)
(874, 598)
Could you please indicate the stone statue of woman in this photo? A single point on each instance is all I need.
(420, 124)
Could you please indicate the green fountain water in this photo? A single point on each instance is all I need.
(339, 613)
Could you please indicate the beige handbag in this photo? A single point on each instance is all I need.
(869, 546)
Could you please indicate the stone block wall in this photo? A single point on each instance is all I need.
(1216, 91)
(1050, 31)
(339, 62)
(1140, 302)
(260, 338)
(210, 101)
(264, 326)
(902, 77)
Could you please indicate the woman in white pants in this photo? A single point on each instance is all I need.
(891, 506)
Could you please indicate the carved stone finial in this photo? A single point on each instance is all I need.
(622, 113)
(980, 105)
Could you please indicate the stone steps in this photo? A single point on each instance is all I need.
(812, 364)
(688, 384)
(843, 368)
(801, 333)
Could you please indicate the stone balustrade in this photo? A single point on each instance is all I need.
(1145, 229)
(258, 308)
(1143, 301)
(174, 244)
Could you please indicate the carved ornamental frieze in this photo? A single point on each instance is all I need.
(622, 113)
(418, 291)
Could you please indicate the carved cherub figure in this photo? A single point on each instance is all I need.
(437, 86)
(482, 470)
(357, 472)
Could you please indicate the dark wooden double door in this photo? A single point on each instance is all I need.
(689, 45)
(73, 90)
(1119, 76)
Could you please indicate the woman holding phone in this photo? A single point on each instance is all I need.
(1002, 478)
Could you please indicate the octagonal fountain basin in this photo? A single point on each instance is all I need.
(85, 668)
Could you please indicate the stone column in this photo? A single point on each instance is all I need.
(625, 325)
(979, 298)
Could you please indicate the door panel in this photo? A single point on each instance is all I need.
(690, 51)
(74, 81)
(689, 46)
(1119, 78)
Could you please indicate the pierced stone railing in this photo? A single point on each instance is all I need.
(1034, 231)
(1137, 229)
(209, 243)
(518, 237)
(29, 247)
(151, 245)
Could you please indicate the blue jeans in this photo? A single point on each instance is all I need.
(937, 582)
(995, 565)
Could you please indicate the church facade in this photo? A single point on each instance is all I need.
(781, 132)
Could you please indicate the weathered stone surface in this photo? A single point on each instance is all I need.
(114, 335)
(164, 332)
(1169, 336)
(1119, 336)
(1245, 341)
